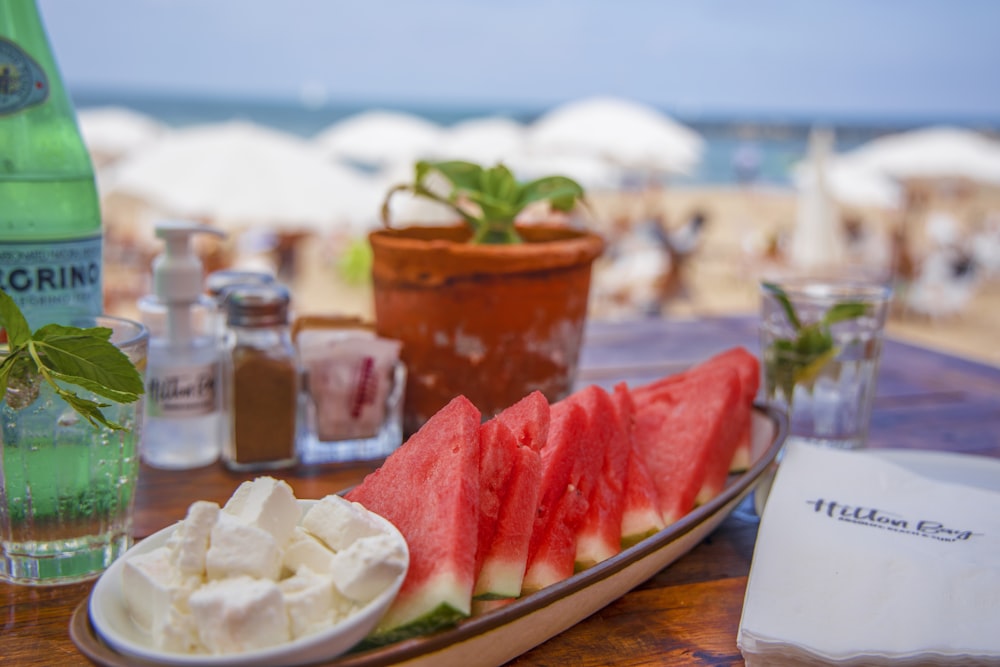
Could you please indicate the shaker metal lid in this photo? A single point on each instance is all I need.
(257, 305)
(218, 282)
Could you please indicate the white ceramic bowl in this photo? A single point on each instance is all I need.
(113, 624)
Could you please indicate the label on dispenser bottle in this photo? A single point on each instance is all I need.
(182, 391)
(23, 82)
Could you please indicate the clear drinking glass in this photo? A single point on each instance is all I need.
(820, 343)
(68, 488)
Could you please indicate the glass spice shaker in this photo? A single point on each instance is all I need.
(263, 379)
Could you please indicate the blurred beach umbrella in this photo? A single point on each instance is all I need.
(626, 133)
(237, 175)
(112, 132)
(485, 140)
(932, 153)
(817, 240)
(378, 138)
(851, 183)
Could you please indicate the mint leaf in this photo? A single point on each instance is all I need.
(801, 359)
(13, 321)
(83, 357)
(88, 355)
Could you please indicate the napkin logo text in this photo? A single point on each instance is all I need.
(876, 518)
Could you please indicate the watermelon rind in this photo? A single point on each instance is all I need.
(406, 617)
(440, 617)
(499, 581)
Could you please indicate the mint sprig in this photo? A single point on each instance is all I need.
(62, 355)
(799, 360)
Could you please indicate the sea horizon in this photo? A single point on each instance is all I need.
(779, 137)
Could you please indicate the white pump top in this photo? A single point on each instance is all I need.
(177, 271)
(177, 276)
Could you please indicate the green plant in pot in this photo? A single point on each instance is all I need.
(486, 308)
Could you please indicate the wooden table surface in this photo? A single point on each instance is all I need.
(688, 613)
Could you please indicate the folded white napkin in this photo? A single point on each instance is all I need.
(861, 561)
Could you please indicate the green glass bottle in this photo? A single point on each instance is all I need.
(50, 218)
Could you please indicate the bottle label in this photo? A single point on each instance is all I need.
(23, 82)
(182, 391)
(57, 277)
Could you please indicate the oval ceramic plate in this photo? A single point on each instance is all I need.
(114, 626)
(499, 636)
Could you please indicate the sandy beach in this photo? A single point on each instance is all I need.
(719, 278)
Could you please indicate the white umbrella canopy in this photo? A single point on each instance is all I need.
(112, 132)
(852, 183)
(817, 242)
(932, 153)
(627, 133)
(237, 174)
(379, 138)
(486, 140)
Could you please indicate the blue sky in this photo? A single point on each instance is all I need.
(894, 58)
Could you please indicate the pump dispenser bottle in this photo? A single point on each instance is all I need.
(184, 422)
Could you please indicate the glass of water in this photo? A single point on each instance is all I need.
(68, 487)
(820, 344)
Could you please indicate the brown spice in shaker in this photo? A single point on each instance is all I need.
(265, 394)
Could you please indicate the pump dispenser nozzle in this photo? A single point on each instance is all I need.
(177, 274)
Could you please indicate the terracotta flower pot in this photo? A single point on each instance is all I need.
(492, 322)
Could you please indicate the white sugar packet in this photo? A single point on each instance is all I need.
(860, 561)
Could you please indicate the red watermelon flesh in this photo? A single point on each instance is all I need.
(687, 436)
(497, 449)
(747, 366)
(528, 420)
(599, 535)
(641, 508)
(554, 556)
(570, 464)
(429, 489)
(507, 512)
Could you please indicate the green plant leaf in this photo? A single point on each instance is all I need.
(560, 191)
(462, 175)
(495, 192)
(847, 310)
(786, 304)
(801, 360)
(89, 355)
(12, 320)
(83, 357)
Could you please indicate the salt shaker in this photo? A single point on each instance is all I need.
(263, 379)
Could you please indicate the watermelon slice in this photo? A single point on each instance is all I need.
(509, 487)
(528, 420)
(686, 434)
(641, 508)
(429, 489)
(747, 366)
(599, 536)
(571, 461)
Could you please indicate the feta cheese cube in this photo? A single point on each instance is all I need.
(312, 602)
(369, 566)
(238, 549)
(339, 522)
(268, 504)
(239, 614)
(177, 631)
(146, 582)
(189, 543)
(306, 550)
